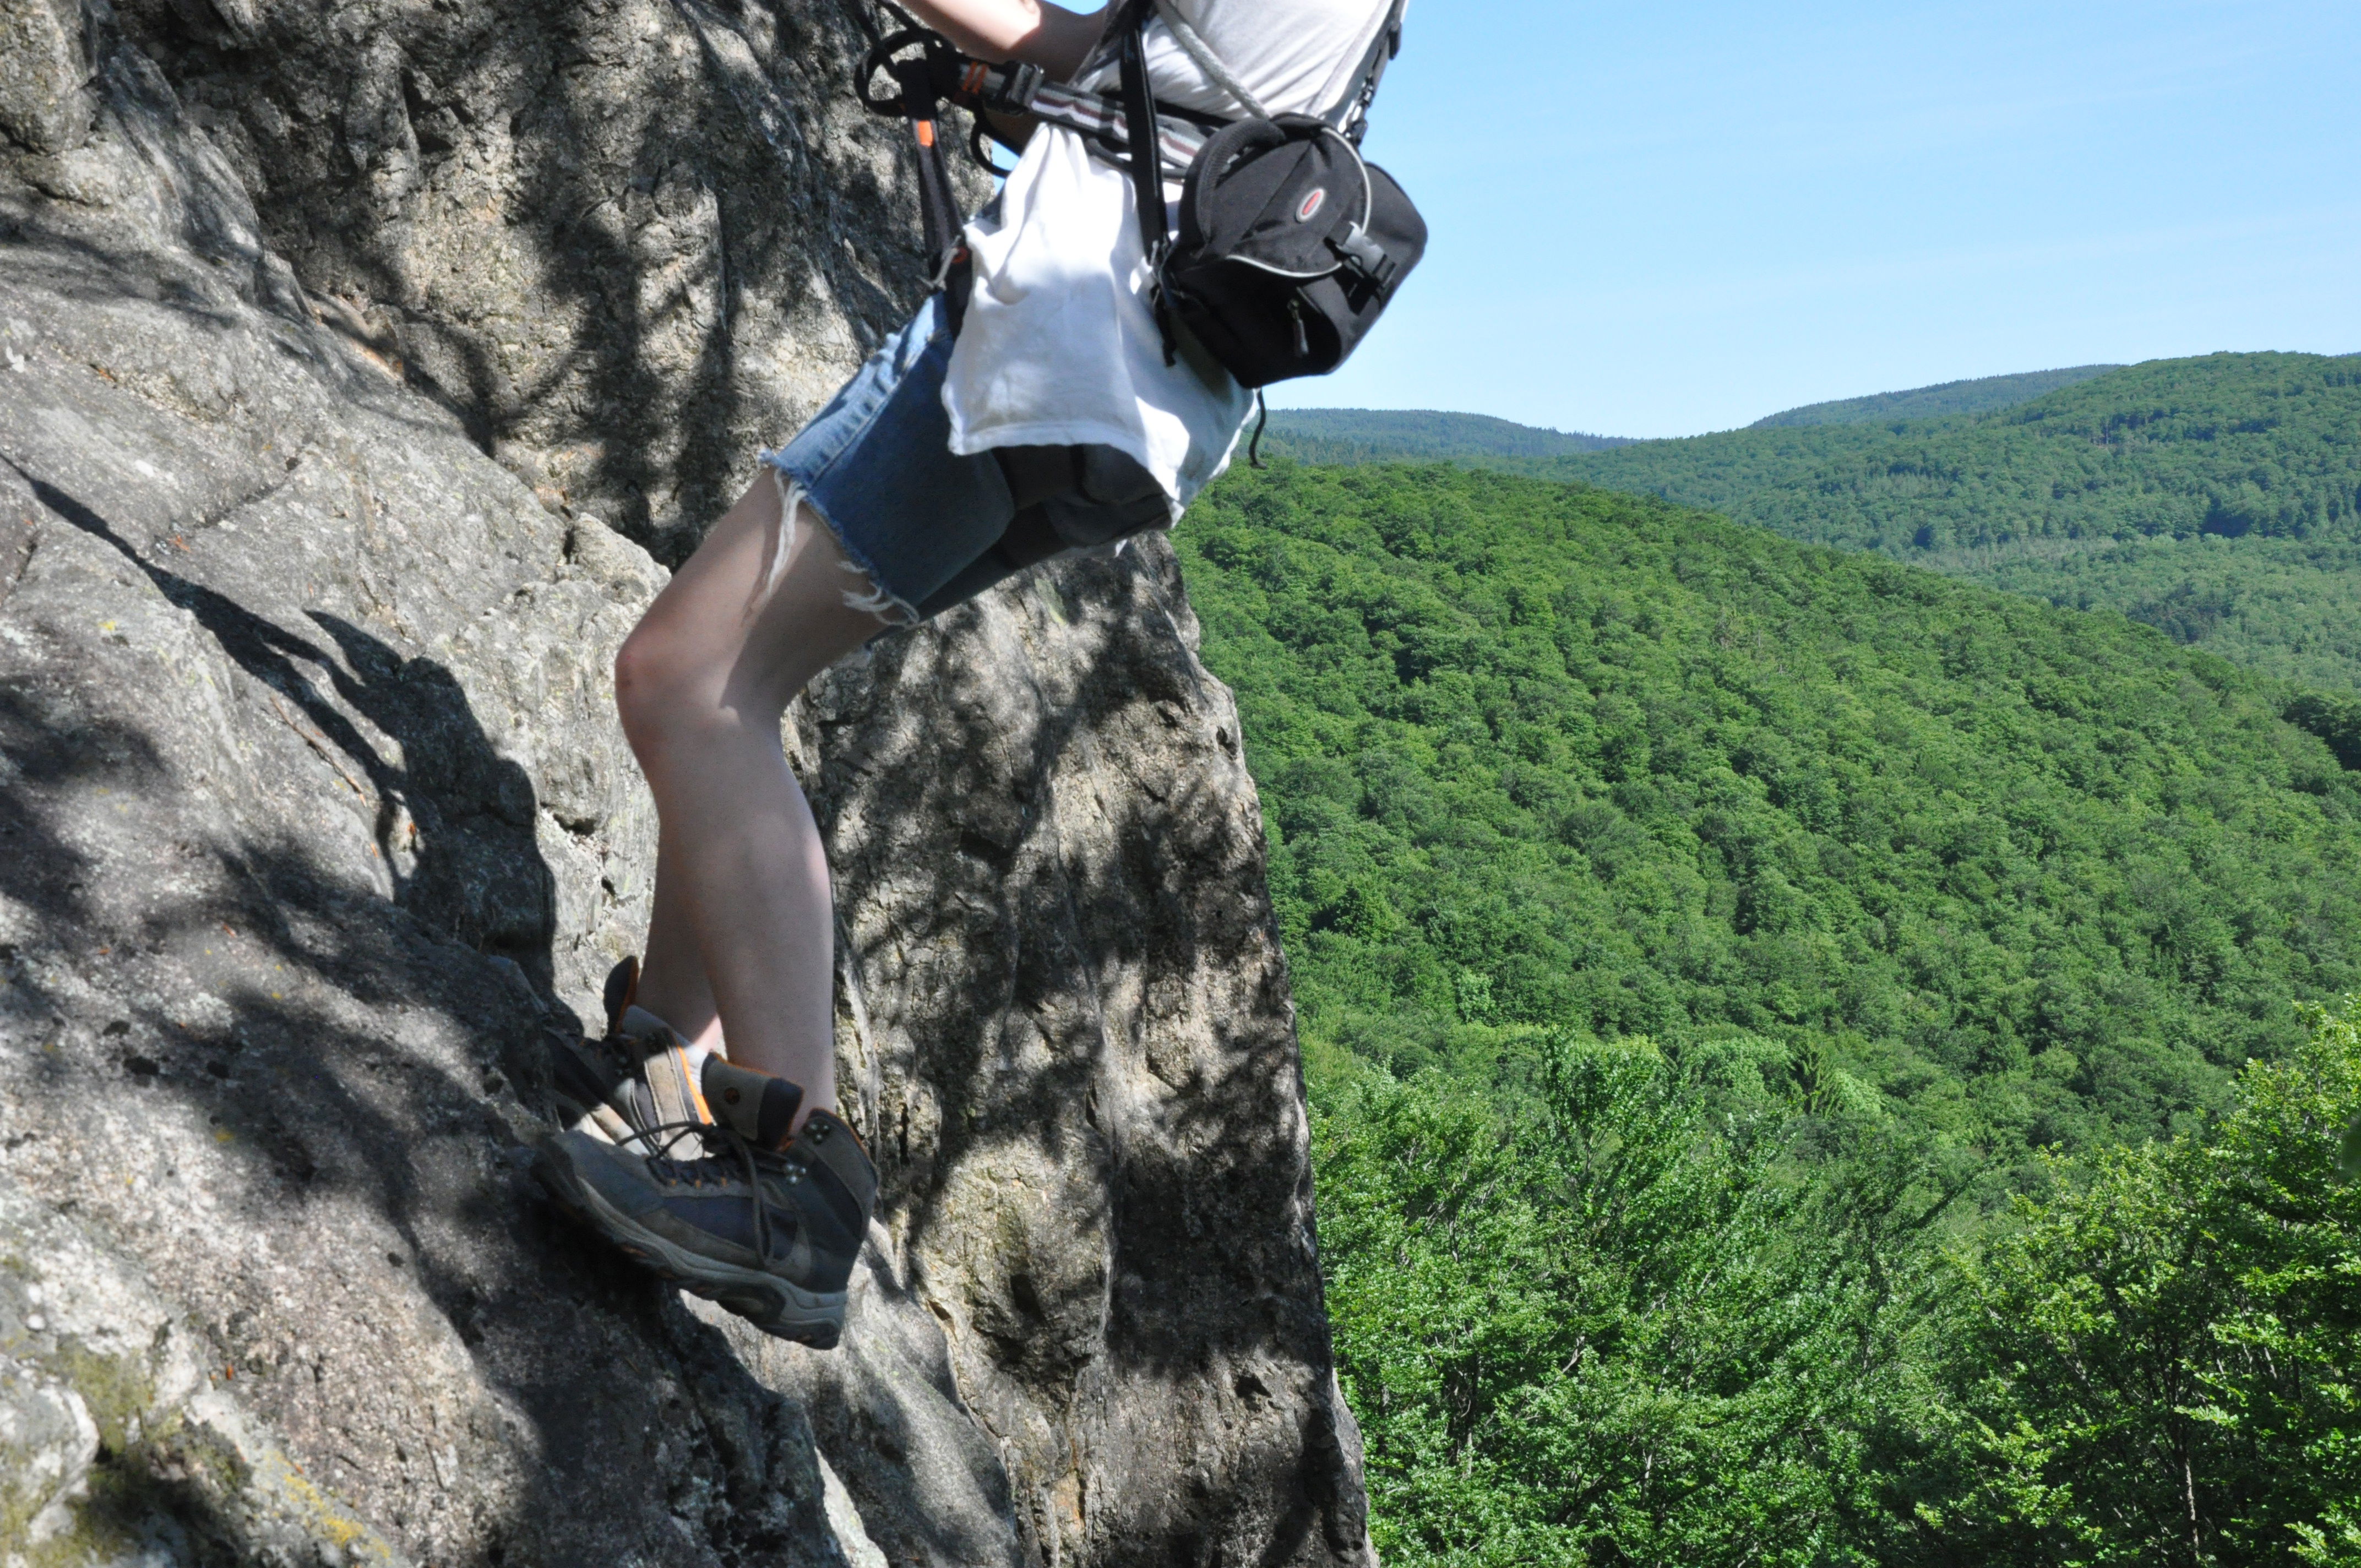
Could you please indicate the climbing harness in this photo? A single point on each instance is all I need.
(940, 75)
(1290, 245)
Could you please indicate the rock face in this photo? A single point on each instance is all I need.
(624, 242)
(328, 341)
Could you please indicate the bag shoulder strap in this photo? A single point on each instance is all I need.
(1145, 156)
(1352, 115)
(1142, 150)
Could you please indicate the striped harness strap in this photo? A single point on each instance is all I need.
(1099, 117)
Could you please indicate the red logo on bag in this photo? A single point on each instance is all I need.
(1311, 204)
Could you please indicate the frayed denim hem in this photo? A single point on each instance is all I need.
(871, 595)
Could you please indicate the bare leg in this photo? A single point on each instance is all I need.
(701, 685)
(671, 963)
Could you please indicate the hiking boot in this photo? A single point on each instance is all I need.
(640, 1076)
(767, 1227)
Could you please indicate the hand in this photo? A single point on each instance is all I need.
(1034, 31)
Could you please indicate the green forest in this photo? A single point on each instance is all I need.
(2218, 498)
(1812, 1062)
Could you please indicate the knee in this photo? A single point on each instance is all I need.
(656, 685)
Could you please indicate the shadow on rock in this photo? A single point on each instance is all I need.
(461, 854)
(240, 1038)
(689, 206)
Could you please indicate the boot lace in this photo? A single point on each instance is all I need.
(711, 1170)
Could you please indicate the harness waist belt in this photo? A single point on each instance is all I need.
(1099, 117)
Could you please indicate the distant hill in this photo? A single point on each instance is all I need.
(1380, 435)
(1395, 435)
(1985, 395)
(2217, 498)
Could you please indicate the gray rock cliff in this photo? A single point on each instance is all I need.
(352, 363)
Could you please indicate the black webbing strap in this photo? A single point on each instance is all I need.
(1146, 158)
(923, 80)
(1351, 116)
(939, 214)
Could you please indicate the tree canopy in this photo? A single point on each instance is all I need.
(1813, 1062)
(1538, 754)
(1982, 395)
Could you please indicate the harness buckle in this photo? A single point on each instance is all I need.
(1009, 90)
(1366, 256)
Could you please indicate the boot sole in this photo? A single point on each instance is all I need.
(775, 1306)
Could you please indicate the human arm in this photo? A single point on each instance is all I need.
(1034, 31)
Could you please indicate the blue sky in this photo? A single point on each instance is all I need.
(1661, 220)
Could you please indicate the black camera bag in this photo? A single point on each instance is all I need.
(1290, 245)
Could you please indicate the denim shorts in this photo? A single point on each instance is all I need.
(933, 528)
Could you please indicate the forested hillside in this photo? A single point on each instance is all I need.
(1982, 395)
(2217, 498)
(1700, 942)
(1537, 754)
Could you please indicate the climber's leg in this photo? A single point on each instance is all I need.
(770, 1225)
(863, 513)
(866, 519)
(644, 1073)
(673, 962)
(702, 683)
